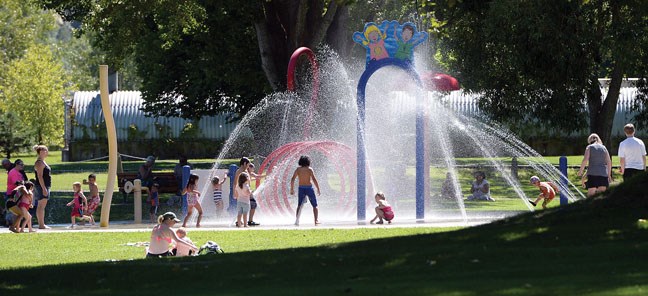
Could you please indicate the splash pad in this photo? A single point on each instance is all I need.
(401, 133)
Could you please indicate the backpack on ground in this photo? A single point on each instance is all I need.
(210, 247)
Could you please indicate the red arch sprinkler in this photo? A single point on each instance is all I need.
(282, 161)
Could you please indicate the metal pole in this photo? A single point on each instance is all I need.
(137, 200)
(563, 181)
(186, 172)
(232, 202)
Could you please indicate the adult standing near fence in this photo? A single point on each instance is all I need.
(632, 153)
(599, 166)
(43, 184)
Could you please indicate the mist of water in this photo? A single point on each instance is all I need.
(392, 102)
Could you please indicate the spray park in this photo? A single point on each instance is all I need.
(591, 247)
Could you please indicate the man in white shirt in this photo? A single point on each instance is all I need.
(632, 153)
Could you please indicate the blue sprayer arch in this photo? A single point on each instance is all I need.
(371, 68)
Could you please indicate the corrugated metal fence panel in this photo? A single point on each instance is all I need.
(466, 104)
(126, 111)
(624, 113)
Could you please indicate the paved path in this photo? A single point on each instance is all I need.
(129, 226)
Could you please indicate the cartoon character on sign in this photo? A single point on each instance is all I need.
(407, 40)
(373, 39)
(390, 39)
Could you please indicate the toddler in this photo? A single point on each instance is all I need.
(154, 201)
(78, 203)
(548, 191)
(217, 186)
(181, 250)
(383, 210)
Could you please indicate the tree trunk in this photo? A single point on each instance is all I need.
(320, 31)
(286, 25)
(338, 35)
(601, 113)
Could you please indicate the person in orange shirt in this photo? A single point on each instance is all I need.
(548, 191)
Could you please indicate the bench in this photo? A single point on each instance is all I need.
(166, 180)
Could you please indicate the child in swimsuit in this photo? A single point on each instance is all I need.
(548, 191)
(78, 203)
(25, 203)
(383, 210)
(193, 201)
(95, 199)
(217, 186)
(305, 174)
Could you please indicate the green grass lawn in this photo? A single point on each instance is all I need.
(597, 246)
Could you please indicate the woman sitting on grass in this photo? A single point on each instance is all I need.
(162, 237)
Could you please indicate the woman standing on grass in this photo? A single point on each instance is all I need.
(43, 184)
(599, 166)
(162, 236)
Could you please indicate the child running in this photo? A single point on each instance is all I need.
(383, 210)
(217, 186)
(193, 201)
(548, 191)
(305, 174)
(78, 203)
(95, 199)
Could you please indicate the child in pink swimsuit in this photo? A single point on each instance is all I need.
(193, 200)
(383, 210)
(24, 204)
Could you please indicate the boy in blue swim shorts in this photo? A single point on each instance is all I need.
(305, 174)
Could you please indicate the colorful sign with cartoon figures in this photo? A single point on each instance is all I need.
(390, 40)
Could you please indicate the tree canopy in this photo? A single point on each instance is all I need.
(543, 58)
(34, 91)
(34, 75)
(199, 57)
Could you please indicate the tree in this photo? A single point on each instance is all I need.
(34, 90)
(200, 57)
(13, 138)
(543, 58)
(21, 24)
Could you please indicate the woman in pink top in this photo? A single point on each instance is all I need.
(14, 176)
(162, 236)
